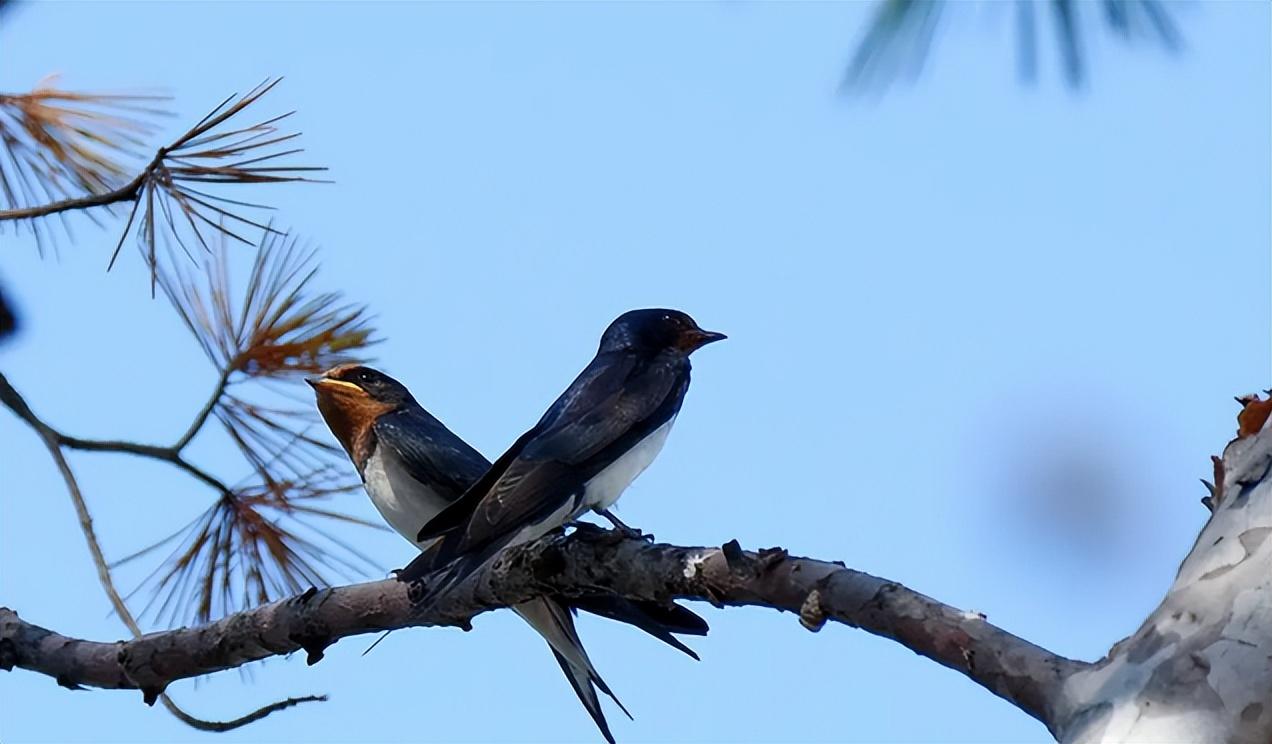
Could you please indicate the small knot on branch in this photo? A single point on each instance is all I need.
(769, 558)
(743, 565)
(736, 558)
(68, 683)
(150, 694)
(811, 613)
(313, 644)
(8, 654)
(1216, 488)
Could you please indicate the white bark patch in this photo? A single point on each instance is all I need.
(693, 564)
(1200, 668)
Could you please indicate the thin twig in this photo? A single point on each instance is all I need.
(90, 536)
(202, 417)
(169, 455)
(253, 717)
(167, 177)
(127, 192)
(172, 455)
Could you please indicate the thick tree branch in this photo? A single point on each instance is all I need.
(584, 563)
(1198, 668)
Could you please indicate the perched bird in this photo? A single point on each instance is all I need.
(603, 431)
(413, 466)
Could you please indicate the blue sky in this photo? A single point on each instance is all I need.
(983, 337)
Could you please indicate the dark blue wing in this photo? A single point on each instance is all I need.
(614, 403)
(431, 453)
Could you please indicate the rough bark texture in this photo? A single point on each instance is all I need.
(584, 563)
(1200, 668)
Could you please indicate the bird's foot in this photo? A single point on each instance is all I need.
(623, 529)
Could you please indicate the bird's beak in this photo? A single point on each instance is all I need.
(699, 338)
(326, 384)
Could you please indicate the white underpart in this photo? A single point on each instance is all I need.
(606, 486)
(405, 503)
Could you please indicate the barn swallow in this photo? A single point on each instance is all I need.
(413, 466)
(603, 431)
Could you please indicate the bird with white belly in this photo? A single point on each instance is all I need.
(413, 467)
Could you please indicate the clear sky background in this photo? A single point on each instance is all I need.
(983, 337)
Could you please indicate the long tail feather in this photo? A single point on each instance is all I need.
(554, 621)
(658, 620)
(587, 695)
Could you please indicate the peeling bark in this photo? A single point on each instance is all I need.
(1200, 667)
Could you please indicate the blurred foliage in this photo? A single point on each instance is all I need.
(8, 318)
(899, 38)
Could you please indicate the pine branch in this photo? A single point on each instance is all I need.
(168, 197)
(54, 442)
(899, 38)
(247, 548)
(70, 149)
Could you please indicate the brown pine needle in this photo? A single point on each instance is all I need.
(61, 144)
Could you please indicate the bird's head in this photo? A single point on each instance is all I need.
(354, 382)
(351, 397)
(656, 330)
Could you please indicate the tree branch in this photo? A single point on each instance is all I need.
(127, 192)
(223, 726)
(14, 401)
(169, 455)
(210, 152)
(585, 563)
(54, 442)
(201, 417)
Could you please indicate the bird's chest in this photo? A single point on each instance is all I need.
(604, 489)
(405, 503)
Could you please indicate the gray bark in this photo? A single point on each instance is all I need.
(583, 563)
(1198, 670)
(1200, 667)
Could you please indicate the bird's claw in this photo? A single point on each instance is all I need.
(646, 536)
(624, 531)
